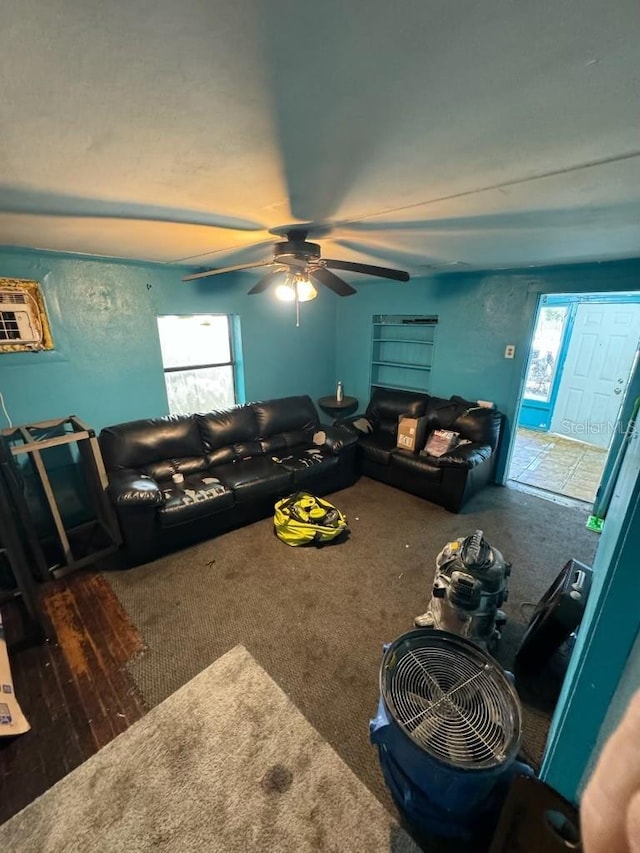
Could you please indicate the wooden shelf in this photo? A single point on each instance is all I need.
(398, 387)
(401, 341)
(398, 346)
(402, 364)
(410, 324)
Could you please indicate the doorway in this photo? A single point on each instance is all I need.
(579, 365)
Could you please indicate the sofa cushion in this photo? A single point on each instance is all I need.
(378, 448)
(164, 469)
(140, 444)
(465, 456)
(259, 477)
(473, 422)
(479, 425)
(228, 428)
(417, 466)
(285, 440)
(386, 405)
(286, 415)
(197, 497)
(306, 462)
(442, 413)
(128, 488)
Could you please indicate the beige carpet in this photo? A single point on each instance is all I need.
(227, 763)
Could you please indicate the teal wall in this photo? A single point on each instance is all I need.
(604, 667)
(106, 368)
(106, 365)
(479, 314)
(628, 685)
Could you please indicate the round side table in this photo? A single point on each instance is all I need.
(338, 410)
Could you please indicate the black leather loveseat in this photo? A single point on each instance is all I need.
(235, 464)
(448, 480)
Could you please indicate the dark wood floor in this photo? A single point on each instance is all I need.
(75, 690)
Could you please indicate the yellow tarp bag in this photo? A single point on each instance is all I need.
(303, 519)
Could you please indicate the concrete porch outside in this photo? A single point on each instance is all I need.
(557, 464)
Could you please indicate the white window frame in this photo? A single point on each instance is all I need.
(233, 362)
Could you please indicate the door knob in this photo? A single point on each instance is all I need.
(617, 390)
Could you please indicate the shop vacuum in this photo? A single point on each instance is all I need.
(449, 719)
(469, 587)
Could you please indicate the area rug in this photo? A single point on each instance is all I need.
(316, 620)
(227, 764)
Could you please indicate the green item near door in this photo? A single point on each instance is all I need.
(594, 523)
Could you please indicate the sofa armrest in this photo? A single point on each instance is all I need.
(338, 437)
(466, 456)
(131, 488)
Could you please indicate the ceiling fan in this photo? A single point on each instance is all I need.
(303, 266)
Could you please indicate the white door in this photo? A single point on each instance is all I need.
(599, 358)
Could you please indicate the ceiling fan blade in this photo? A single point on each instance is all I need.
(33, 203)
(326, 277)
(237, 268)
(266, 281)
(381, 251)
(367, 269)
(229, 255)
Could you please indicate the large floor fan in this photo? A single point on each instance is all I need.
(447, 731)
(301, 262)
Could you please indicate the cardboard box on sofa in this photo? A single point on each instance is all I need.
(412, 433)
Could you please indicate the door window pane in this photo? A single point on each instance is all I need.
(545, 349)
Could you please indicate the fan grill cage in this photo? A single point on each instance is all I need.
(453, 701)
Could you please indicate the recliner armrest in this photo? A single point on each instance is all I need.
(338, 437)
(349, 419)
(131, 488)
(466, 456)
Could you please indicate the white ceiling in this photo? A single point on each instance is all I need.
(423, 132)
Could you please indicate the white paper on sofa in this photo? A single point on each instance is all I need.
(441, 441)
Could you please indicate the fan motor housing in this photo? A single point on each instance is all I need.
(448, 732)
(298, 249)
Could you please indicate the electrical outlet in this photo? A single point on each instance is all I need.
(509, 351)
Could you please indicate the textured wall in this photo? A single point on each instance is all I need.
(479, 314)
(106, 365)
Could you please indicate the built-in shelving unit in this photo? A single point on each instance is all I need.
(403, 347)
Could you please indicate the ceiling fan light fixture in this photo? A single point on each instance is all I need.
(301, 286)
(285, 292)
(306, 290)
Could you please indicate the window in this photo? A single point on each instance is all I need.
(543, 363)
(198, 361)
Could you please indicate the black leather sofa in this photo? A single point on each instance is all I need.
(448, 480)
(235, 464)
